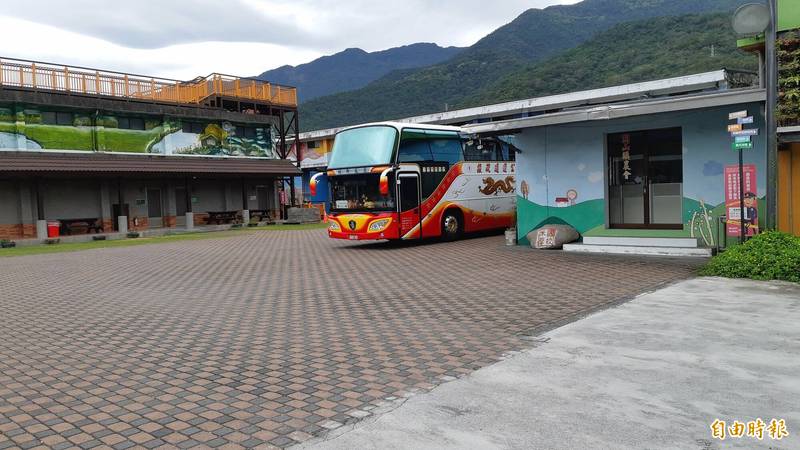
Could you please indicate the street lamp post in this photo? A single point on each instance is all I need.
(770, 36)
(751, 20)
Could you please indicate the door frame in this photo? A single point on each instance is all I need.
(400, 176)
(646, 225)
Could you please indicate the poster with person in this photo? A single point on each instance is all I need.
(733, 205)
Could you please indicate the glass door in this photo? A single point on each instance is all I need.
(408, 195)
(645, 179)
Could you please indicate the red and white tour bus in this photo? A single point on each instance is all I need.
(407, 181)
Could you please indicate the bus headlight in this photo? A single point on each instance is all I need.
(334, 226)
(379, 225)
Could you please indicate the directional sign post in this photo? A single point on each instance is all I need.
(741, 141)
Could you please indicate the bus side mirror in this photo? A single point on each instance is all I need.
(383, 183)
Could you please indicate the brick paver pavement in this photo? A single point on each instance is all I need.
(269, 338)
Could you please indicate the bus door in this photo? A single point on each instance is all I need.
(408, 191)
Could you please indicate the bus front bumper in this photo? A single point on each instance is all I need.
(362, 227)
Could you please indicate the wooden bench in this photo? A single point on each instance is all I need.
(92, 224)
(220, 217)
(260, 215)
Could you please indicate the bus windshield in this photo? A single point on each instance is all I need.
(364, 146)
(360, 192)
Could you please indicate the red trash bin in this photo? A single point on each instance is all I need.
(53, 229)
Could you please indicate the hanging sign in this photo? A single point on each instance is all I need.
(737, 114)
(732, 209)
(744, 120)
(741, 138)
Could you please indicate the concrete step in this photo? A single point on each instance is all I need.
(681, 242)
(638, 250)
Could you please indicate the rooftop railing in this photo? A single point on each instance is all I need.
(84, 81)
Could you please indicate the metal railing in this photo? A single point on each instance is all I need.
(84, 81)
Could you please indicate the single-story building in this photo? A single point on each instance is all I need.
(650, 171)
(92, 190)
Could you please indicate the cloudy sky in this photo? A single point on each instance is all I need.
(186, 38)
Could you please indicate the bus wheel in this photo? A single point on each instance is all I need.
(451, 225)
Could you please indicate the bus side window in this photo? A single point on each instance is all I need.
(481, 150)
(446, 150)
(413, 150)
(506, 151)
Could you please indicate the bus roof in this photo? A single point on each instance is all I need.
(402, 125)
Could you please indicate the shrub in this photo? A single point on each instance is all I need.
(768, 256)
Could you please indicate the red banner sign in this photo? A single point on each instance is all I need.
(732, 204)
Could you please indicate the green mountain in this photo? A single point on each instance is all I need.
(354, 68)
(534, 36)
(627, 53)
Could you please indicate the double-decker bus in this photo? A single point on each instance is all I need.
(407, 181)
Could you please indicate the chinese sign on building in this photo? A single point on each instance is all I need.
(626, 156)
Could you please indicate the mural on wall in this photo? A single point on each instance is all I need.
(525, 188)
(701, 225)
(566, 187)
(315, 154)
(33, 129)
(222, 139)
(562, 178)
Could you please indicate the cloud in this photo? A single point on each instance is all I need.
(319, 25)
(157, 23)
(180, 61)
(581, 167)
(712, 168)
(595, 177)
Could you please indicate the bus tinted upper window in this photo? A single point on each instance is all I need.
(429, 145)
(413, 149)
(481, 150)
(489, 149)
(446, 150)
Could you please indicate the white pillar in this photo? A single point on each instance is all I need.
(189, 221)
(245, 217)
(41, 229)
(122, 224)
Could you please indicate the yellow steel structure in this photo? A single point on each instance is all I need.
(83, 81)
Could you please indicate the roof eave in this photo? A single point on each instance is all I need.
(620, 110)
